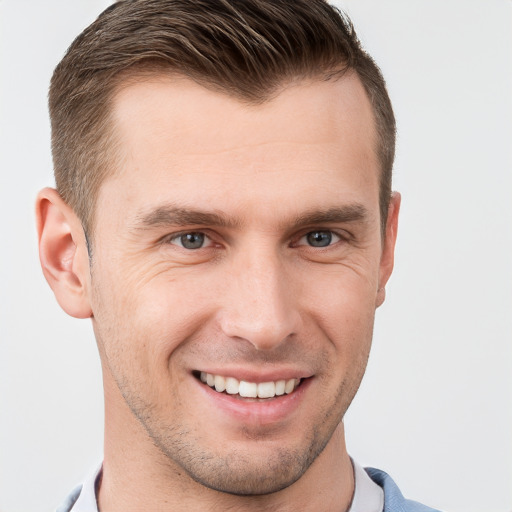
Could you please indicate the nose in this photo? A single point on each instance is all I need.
(260, 301)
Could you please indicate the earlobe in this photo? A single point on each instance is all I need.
(63, 253)
(388, 248)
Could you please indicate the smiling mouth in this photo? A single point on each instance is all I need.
(244, 389)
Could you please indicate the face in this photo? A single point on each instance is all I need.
(238, 245)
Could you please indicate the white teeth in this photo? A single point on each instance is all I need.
(245, 389)
(280, 385)
(220, 383)
(248, 389)
(232, 386)
(289, 386)
(266, 390)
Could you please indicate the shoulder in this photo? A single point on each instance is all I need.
(394, 500)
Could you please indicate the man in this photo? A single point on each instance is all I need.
(224, 216)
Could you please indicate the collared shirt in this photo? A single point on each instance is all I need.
(368, 496)
(83, 498)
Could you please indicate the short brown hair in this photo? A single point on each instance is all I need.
(244, 48)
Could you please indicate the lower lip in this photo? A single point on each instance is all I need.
(261, 412)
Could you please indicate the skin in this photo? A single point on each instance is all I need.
(256, 301)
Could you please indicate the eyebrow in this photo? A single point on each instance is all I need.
(349, 213)
(172, 215)
(169, 215)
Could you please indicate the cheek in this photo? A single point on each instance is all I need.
(342, 305)
(343, 294)
(141, 322)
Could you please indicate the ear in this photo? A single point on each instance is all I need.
(387, 259)
(63, 253)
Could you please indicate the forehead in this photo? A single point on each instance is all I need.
(202, 117)
(178, 137)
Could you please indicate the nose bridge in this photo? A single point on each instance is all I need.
(258, 303)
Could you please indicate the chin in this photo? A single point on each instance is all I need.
(241, 476)
(246, 472)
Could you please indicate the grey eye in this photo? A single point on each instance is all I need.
(190, 240)
(319, 238)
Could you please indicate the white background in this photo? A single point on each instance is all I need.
(435, 409)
